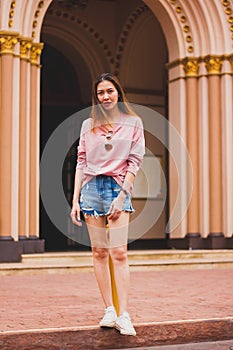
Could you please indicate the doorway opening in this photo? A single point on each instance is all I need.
(78, 48)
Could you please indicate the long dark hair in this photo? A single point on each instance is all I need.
(98, 113)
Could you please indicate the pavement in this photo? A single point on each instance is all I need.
(221, 345)
(168, 308)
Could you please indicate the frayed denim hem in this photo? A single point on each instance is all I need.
(93, 213)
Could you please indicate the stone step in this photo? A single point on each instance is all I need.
(58, 258)
(180, 254)
(94, 338)
(86, 257)
(71, 262)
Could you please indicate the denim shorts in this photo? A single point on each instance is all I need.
(97, 195)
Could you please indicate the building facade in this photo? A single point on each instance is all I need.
(174, 57)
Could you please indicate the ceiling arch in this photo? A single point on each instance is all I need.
(145, 52)
(78, 41)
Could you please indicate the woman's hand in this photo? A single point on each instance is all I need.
(75, 214)
(116, 206)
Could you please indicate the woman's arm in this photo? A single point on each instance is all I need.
(81, 163)
(75, 212)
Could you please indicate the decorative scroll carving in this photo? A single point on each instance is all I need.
(213, 64)
(231, 62)
(35, 52)
(191, 66)
(8, 40)
(25, 46)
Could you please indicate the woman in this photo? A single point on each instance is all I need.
(110, 152)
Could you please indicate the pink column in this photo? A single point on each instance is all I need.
(191, 67)
(25, 45)
(36, 50)
(231, 61)
(7, 44)
(213, 65)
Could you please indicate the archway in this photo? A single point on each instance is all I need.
(189, 36)
(79, 41)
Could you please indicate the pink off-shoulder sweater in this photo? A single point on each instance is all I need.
(126, 154)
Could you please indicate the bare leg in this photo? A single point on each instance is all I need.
(100, 251)
(118, 232)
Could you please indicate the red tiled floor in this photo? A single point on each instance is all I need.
(47, 301)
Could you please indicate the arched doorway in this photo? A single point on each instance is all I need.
(199, 41)
(125, 49)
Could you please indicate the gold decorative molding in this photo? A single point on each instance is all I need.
(25, 46)
(231, 62)
(11, 14)
(36, 16)
(8, 40)
(35, 52)
(228, 9)
(185, 25)
(213, 64)
(191, 66)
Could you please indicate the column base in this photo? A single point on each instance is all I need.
(190, 241)
(195, 241)
(218, 241)
(32, 245)
(10, 251)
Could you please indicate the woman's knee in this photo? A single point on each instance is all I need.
(100, 253)
(119, 254)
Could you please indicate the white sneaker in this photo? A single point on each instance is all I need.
(124, 325)
(109, 318)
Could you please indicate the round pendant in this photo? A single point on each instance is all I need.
(108, 146)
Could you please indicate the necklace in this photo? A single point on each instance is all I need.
(108, 146)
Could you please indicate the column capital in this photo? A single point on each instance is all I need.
(8, 40)
(25, 46)
(191, 66)
(231, 62)
(213, 64)
(35, 52)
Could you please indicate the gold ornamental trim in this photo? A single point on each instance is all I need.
(231, 62)
(228, 9)
(35, 53)
(191, 66)
(8, 40)
(25, 46)
(36, 16)
(213, 64)
(185, 24)
(11, 14)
